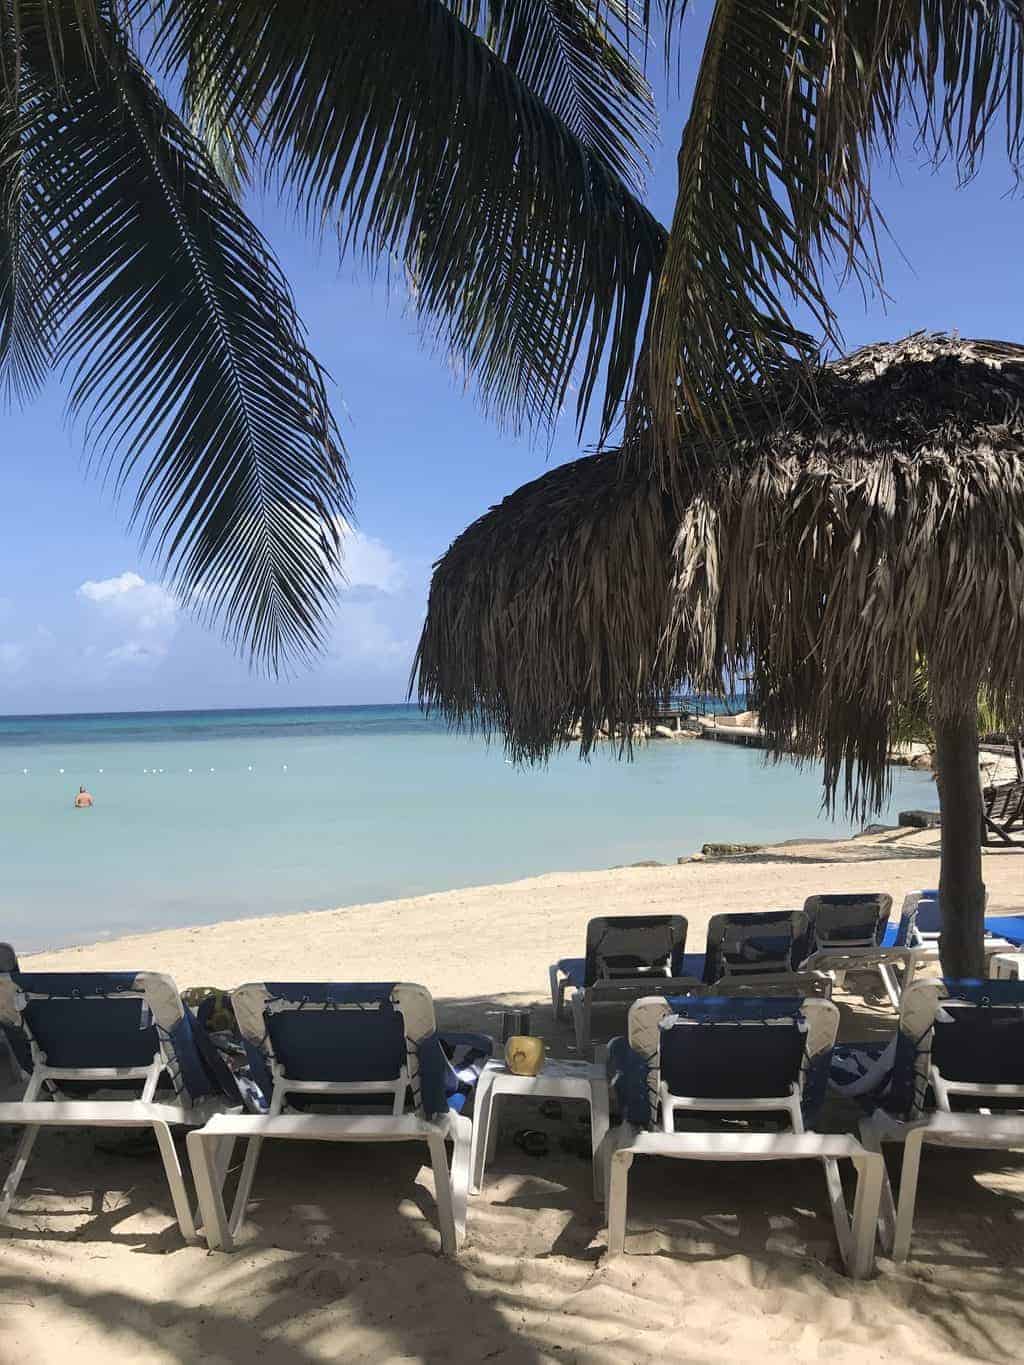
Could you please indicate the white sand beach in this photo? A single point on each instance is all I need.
(340, 1257)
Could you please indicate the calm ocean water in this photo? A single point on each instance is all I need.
(210, 815)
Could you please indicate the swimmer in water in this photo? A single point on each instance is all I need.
(83, 799)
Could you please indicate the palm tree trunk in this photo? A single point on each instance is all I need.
(961, 889)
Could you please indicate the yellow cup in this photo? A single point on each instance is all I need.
(524, 1056)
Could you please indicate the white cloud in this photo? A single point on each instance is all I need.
(136, 654)
(130, 598)
(362, 636)
(369, 563)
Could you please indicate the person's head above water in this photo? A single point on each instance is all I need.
(81, 789)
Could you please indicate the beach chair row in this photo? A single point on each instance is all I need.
(77, 1034)
(804, 952)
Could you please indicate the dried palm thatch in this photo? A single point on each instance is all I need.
(824, 553)
(548, 613)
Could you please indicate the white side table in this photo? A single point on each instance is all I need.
(562, 1080)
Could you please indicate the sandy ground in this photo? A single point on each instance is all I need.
(339, 1259)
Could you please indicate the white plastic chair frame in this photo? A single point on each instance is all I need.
(941, 1127)
(34, 1113)
(855, 1234)
(210, 1148)
(621, 991)
(838, 961)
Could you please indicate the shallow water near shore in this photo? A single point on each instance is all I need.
(205, 816)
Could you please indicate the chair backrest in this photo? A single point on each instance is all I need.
(74, 1021)
(741, 1047)
(1004, 804)
(979, 1033)
(920, 919)
(846, 919)
(344, 1033)
(624, 947)
(761, 941)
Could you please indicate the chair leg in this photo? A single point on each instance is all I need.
(908, 1194)
(245, 1182)
(856, 1236)
(482, 1142)
(176, 1181)
(871, 1139)
(210, 1192)
(866, 1202)
(618, 1196)
(461, 1152)
(21, 1156)
(889, 982)
(443, 1195)
(557, 992)
(581, 1020)
(599, 1136)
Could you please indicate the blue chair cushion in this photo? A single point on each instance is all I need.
(574, 968)
(1010, 927)
(627, 1076)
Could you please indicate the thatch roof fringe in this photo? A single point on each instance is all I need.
(826, 552)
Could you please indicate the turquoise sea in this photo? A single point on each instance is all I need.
(210, 815)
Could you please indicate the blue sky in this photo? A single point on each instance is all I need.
(84, 623)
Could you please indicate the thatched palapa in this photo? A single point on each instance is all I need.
(823, 553)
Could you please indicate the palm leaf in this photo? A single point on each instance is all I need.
(185, 355)
(64, 25)
(579, 57)
(526, 249)
(794, 100)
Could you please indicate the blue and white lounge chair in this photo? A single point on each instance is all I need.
(620, 946)
(750, 944)
(845, 933)
(627, 956)
(960, 1043)
(322, 1043)
(920, 926)
(735, 1057)
(80, 1035)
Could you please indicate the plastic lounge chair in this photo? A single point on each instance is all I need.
(628, 956)
(78, 1033)
(331, 1043)
(920, 926)
(738, 1058)
(750, 944)
(648, 943)
(1003, 811)
(961, 1042)
(845, 933)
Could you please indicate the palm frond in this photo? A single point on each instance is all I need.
(761, 204)
(580, 58)
(66, 26)
(794, 99)
(527, 250)
(29, 272)
(186, 358)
